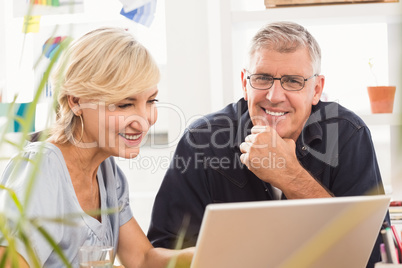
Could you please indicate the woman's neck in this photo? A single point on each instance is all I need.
(82, 164)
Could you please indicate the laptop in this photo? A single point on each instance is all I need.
(324, 232)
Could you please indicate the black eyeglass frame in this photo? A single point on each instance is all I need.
(280, 79)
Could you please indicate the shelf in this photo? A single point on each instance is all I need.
(382, 119)
(326, 14)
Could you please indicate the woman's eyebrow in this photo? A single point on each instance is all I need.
(134, 98)
(155, 93)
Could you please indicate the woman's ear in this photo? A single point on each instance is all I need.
(74, 104)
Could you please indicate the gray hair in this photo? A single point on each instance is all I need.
(287, 37)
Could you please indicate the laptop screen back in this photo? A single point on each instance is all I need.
(324, 232)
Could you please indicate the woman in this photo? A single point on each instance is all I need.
(107, 85)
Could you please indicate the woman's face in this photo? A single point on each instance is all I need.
(118, 129)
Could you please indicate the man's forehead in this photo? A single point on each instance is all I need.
(263, 60)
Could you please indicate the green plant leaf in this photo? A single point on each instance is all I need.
(56, 247)
(28, 246)
(14, 197)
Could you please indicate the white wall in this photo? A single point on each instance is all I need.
(187, 63)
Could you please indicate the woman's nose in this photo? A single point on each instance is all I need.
(144, 117)
(139, 120)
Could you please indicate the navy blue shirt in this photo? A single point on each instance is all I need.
(335, 146)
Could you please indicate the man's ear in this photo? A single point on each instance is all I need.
(74, 104)
(319, 87)
(244, 83)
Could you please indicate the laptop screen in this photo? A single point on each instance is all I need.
(324, 232)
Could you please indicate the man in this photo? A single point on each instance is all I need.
(279, 142)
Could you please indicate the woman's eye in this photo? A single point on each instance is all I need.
(126, 105)
(153, 101)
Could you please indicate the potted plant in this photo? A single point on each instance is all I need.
(381, 97)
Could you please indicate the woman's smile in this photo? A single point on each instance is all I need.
(131, 139)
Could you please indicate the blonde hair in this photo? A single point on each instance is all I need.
(106, 64)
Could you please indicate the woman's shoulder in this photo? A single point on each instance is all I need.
(37, 168)
(42, 147)
(44, 157)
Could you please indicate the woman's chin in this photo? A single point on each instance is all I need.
(128, 153)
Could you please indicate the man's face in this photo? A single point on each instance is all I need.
(286, 111)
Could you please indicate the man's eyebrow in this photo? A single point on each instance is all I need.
(262, 73)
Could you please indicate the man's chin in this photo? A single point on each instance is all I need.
(274, 125)
(278, 128)
(261, 122)
(272, 122)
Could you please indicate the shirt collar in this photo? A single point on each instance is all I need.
(312, 130)
(244, 126)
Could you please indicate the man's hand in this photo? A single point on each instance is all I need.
(273, 160)
(270, 157)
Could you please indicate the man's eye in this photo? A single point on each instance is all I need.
(296, 81)
(262, 78)
(292, 80)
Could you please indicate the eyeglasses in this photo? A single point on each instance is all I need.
(288, 82)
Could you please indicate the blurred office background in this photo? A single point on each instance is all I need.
(200, 47)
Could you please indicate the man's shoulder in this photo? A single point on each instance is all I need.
(327, 112)
(226, 117)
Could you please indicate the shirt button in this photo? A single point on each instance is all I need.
(304, 148)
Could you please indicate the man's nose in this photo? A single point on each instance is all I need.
(276, 93)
